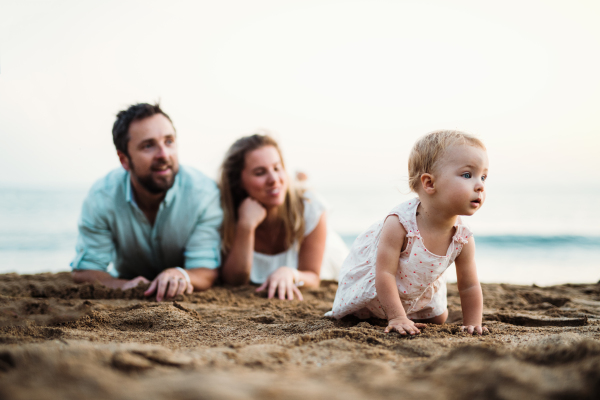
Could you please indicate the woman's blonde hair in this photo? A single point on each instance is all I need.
(291, 212)
(428, 150)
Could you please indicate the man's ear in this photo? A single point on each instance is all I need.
(124, 160)
(428, 184)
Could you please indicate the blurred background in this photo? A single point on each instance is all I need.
(346, 86)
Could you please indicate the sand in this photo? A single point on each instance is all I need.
(60, 340)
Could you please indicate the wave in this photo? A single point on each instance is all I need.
(38, 241)
(540, 241)
(66, 240)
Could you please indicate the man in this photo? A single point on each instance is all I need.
(154, 220)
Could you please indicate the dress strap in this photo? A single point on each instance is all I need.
(463, 233)
(406, 213)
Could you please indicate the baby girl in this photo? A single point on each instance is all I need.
(395, 269)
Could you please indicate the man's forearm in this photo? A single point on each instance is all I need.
(101, 277)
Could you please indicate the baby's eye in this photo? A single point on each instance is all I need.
(466, 175)
(483, 178)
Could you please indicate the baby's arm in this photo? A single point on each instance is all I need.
(469, 289)
(388, 254)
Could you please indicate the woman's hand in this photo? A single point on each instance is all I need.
(251, 213)
(472, 329)
(282, 281)
(403, 326)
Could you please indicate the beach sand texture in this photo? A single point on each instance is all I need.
(68, 341)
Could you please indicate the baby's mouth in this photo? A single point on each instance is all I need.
(476, 201)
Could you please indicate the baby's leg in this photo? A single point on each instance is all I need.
(440, 319)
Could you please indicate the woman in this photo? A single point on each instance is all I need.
(273, 234)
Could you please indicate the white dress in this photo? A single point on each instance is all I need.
(264, 265)
(420, 280)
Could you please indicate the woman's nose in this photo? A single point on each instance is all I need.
(271, 177)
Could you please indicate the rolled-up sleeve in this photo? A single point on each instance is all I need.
(203, 249)
(95, 246)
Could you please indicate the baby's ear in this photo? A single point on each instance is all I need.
(427, 183)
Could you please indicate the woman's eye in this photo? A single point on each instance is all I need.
(466, 175)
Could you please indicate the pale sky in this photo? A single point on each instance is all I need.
(347, 86)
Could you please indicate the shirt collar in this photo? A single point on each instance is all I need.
(130, 198)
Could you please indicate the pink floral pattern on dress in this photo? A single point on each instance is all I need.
(420, 280)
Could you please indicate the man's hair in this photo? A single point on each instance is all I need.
(135, 112)
(429, 149)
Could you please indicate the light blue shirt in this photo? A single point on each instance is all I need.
(185, 233)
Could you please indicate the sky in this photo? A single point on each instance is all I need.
(346, 86)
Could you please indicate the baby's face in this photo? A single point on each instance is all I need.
(460, 180)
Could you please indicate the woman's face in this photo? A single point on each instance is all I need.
(264, 178)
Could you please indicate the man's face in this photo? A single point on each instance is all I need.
(152, 150)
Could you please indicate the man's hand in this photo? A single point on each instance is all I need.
(168, 284)
(134, 282)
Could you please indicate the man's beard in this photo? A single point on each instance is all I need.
(151, 185)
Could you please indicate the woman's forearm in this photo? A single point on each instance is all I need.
(310, 256)
(310, 279)
(202, 278)
(237, 264)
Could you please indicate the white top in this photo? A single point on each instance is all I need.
(264, 265)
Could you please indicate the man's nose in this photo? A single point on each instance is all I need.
(162, 152)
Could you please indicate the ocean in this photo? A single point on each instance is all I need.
(524, 236)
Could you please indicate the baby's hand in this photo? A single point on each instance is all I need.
(471, 329)
(403, 326)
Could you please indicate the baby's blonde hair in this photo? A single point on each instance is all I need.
(429, 149)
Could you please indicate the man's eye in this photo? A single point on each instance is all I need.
(466, 175)
(147, 146)
(169, 141)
